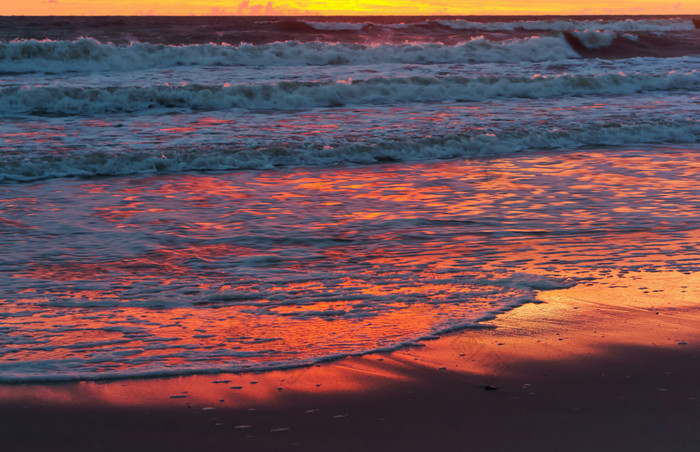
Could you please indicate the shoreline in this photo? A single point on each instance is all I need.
(611, 364)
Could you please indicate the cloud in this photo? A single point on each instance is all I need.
(245, 8)
(217, 11)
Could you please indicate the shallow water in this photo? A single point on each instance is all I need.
(254, 270)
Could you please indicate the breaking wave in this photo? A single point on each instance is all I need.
(67, 101)
(232, 156)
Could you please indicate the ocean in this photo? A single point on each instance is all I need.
(186, 195)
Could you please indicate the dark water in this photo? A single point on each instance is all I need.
(349, 29)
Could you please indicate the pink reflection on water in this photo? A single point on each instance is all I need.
(34, 133)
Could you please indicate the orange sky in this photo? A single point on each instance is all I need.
(350, 7)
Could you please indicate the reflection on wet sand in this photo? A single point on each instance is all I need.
(592, 319)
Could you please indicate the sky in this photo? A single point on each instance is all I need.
(342, 7)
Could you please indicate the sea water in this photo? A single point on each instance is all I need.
(184, 195)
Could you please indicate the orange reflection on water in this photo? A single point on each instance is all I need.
(37, 133)
(244, 270)
(199, 125)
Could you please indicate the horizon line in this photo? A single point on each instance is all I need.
(356, 15)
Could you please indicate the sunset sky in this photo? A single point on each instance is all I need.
(334, 7)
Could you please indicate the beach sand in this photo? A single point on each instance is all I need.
(611, 364)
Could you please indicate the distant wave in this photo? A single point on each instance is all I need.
(88, 54)
(230, 156)
(81, 101)
(340, 26)
(627, 25)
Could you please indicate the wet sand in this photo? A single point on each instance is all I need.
(605, 365)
